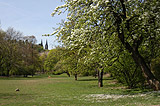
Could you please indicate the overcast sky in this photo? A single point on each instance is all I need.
(32, 17)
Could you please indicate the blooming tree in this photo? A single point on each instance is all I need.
(107, 27)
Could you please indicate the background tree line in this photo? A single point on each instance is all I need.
(19, 55)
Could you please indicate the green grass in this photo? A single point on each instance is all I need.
(64, 91)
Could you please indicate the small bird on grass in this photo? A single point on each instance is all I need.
(17, 89)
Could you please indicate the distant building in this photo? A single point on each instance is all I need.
(41, 44)
(46, 46)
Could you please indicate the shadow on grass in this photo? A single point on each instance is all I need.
(156, 95)
(87, 79)
(137, 91)
(22, 77)
(108, 85)
(94, 79)
(38, 76)
(14, 95)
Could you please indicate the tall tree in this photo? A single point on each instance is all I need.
(132, 24)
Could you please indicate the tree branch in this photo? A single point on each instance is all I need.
(124, 9)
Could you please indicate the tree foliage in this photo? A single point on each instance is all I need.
(18, 54)
(108, 27)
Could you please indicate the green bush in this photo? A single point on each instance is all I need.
(127, 72)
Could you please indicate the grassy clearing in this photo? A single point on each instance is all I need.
(64, 91)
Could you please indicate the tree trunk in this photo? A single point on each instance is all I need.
(7, 73)
(32, 73)
(75, 77)
(100, 78)
(154, 83)
(151, 79)
(8, 69)
(95, 74)
(68, 74)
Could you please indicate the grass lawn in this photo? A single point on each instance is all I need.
(64, 91)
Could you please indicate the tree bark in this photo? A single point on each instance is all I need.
(151, 79)
(154, 83)
(68, 74)
(7, 73)
(100, 78)
(32, 73)
(75, 77)
(95, 74)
